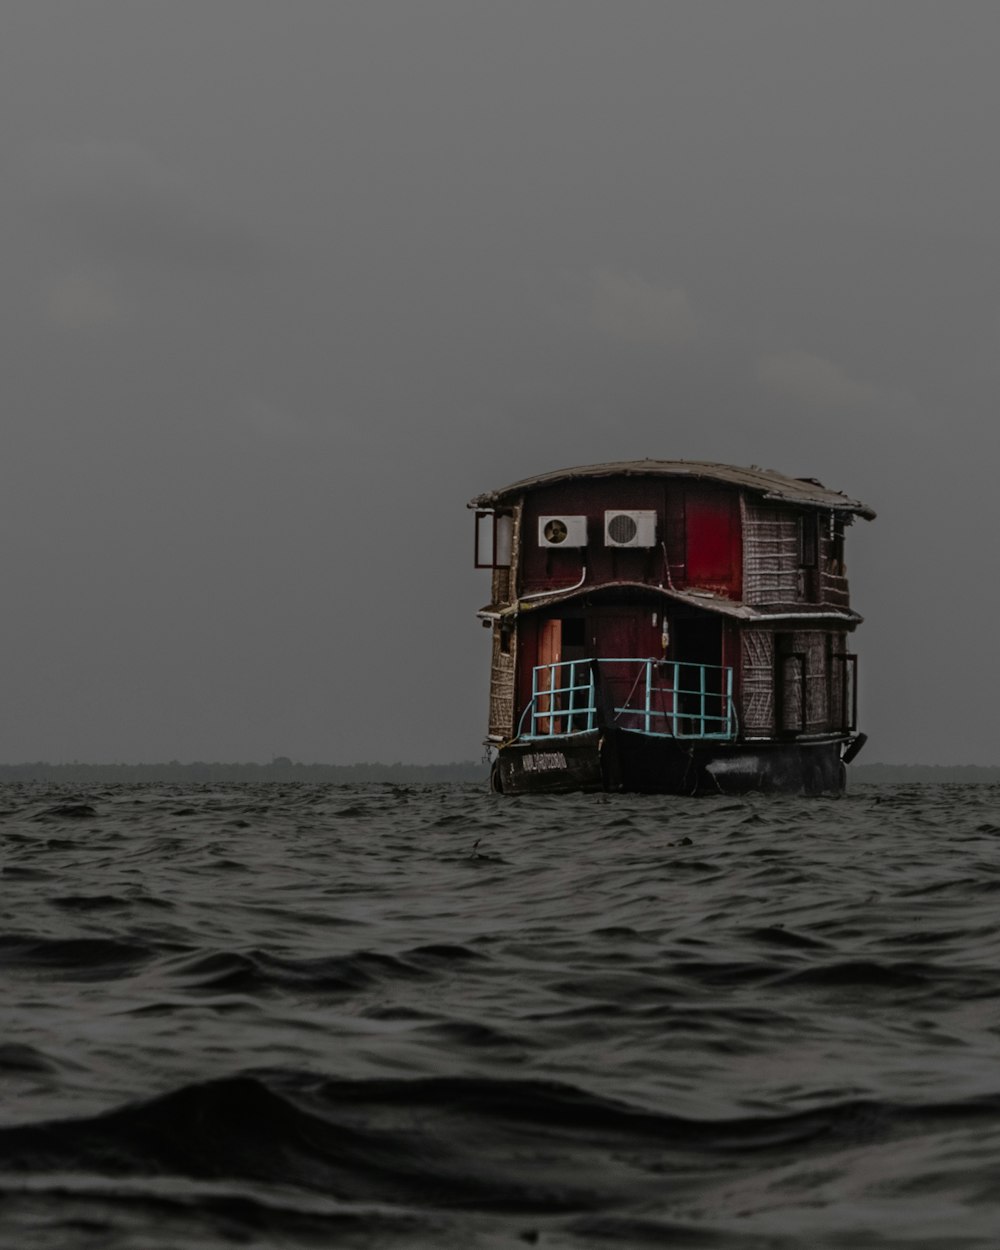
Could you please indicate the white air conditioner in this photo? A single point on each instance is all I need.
(562, 531)
(629, 529)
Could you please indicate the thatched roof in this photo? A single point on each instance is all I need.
(806, 492)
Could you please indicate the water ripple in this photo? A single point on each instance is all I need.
(430, 1016)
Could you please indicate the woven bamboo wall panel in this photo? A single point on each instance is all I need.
(757, 712)
(771, 573)
(502, 670)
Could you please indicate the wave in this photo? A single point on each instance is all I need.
(19, 1057)
(259, 971)
(666, 1017)
(502, 1145)
(67, 811)
(88, 1209)
(82, 957)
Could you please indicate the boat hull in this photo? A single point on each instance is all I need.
(623, 760)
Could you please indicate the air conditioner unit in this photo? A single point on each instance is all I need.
(562, 531)
(629, 529)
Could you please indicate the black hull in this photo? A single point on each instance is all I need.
(620, 760)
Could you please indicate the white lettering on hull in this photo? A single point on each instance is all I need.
(543, 761)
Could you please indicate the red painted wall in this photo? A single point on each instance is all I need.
(699, 525)
(714, 547)
(547, 567)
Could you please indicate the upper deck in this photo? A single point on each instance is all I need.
(747, 540)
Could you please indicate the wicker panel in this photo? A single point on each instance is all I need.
(771, 573)
(502, 672)
(813, 646)
(501, 586)
(757, 715)
(833, 574)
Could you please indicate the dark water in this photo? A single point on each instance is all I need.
(377, 1016)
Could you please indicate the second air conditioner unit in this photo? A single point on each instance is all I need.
(629, 529)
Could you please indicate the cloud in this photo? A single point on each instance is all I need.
(269, 420)
(82, 300)
(630, 309)
(814, 380)
(116, 204)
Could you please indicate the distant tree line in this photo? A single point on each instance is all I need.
(897, 774)
(284, 769)
(280, 769)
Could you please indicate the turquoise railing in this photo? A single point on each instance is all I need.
(662, 698)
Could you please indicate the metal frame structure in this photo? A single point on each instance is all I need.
(555, 710)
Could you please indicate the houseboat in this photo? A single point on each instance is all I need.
(669, 626)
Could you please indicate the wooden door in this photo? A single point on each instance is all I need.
(549, 652)
(789, 685)
(626, 636)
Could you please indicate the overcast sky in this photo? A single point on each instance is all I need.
(286, 283)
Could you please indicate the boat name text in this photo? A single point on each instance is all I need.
(543, 761)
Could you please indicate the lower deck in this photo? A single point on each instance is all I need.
(627, 760)
(672, 669)
(684, 725)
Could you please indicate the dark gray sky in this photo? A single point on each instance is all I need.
(284, 284)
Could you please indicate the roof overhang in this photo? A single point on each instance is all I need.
(769, 484)
(703, 600)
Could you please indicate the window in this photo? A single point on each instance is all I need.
(494, 538)
(808, 540)
(837, 548)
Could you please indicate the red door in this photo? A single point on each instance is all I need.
(628, 637)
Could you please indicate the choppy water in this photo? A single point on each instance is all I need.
(379, 1016)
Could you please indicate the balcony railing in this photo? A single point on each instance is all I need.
(662, 698)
